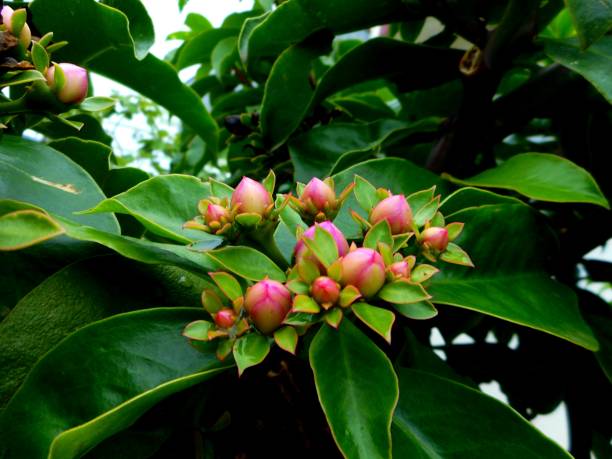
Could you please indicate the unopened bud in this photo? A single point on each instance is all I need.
(74, 88)
(365, 269)
(435, 238)
(216, 213)
(251, 197)
(325, 290)
(225, 318)
(328, 226)
(400, 269)
(267, 303)
(319, 194)
(25, 35)
(396, 210)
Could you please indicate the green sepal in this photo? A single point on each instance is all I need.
(228, 284)
(300, 319)
(333, 317)
(400, 240)
(349, 295)
(365, 193)
(427, 212)
(303, 303)
(454, 230)
(456, 255)
(308, 270)
(286, 338)
(249, 220)
(381, 232)
(18, 20)
(386, 252)
(211, 301)
(420, 310)
(269, 182)
(323, 246)
(224, 348)
(250, 350)
(419, 199)
(40, 58)
(403, 292)
(362, 222)
(298, 287)
(56, 46)
(45, 39)
(334, 271)
(299, 188)
(438, 220)
(422, 272)
(59, 78)
(198, 330)
(378, 319)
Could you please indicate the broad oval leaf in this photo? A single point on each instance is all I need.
(438, 418)
(247, 262)
(592, 18)
(35, 173)
(357, 388)
(549, 178)
(509, 280)
(250, 350)
(23, 228)
(100, 379)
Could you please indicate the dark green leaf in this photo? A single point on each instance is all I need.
(592, 18)
(92, 156)
(23, 228)
(378, 319)
(250, 350)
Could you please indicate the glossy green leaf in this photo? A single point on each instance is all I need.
(198, 330)
(23, 228)
(40, 58)
(398, 175)
(198, 50)
(439, 418)
(403, 292)
(163, 204)
(549, 178)
(91, 130)
(378, 319)
(27, 76)
(592, 63)
(286, 338)
(97, 104)
(35, 173)
(140, 25)
(473, 197)
(250, 350)
(509, 281)
(365, 193)
(100, 379)
(118, 51)
(227, 284)
(323, 246)
(92, 156)
(357, 388)
(420, 310)
(592, 18)
(381, 232)
(247, 262)
(78, 295)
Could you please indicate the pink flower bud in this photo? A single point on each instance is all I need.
(251, 197)
(267, 303)
(325, 290)
(365, 269)
(400, 269)
(75, 85)
(396, 211)
(25, 36)
(328, 226)
(215, 213)
(435, 238)
(319, 194)
(225, 318)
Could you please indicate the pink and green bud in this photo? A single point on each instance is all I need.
(325, 290)
(267, 303)
(365, 269)
(25, 35)
(251, 197)
(75, 84)
(216, 213)
(400, 269)
(318, 194)
(328, 226)
(435, 238)
(396, 210)
(225, 318)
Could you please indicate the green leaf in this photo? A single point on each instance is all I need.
(304, 303)
(227, 284)
(119, 51)
(198, 50)
(323, 246)
(593, 63)
(510, 282)
(23, 228)
(100, 379)
(163, 204)
(456, 255)
(420, 310)
(92, 156)
(381, 232)
(365, 193)
(357, 388)
(40, 58)
(592, 18)
(427, 212)
(32, 172)
(549, 178)
(247, 262)
(378, 319)
(398, 175)
(286, 338)
(27, 76)
(473, 197)
(403, 292)
(97, 104)
(467, 427)
(250, 350)
(224, 56)
(198, 330)
(422, 272)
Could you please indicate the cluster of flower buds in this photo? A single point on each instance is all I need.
(317, 200)
(14, 22)
(331, 278)
(250, 206)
